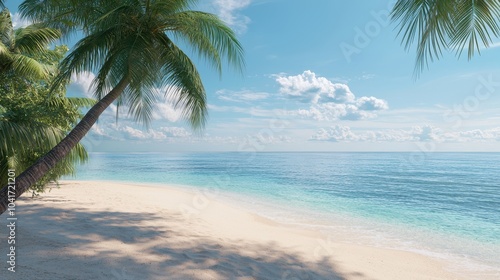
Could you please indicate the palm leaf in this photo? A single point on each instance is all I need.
(475, 23)
(183, 83)
(35, 38)
(22, 50)
(6, 28)
(207, 34)
(81, 102)
(26, 66)
(20, 138)
(4, 52)
(435, 26)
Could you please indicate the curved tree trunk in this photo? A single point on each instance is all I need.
(26, 179)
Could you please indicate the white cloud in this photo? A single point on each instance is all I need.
(371, 104)
(228, 11)
(98, 130)
(176, 132)
(309, 88)
(334, 111)
(480, 135)
(336, 133)
(328, 100)
(241, 96)
(18, 21)
(164, 109)
(425, 133)
(81, 83)
(160, 134)
(254, 111)
(132, 133)
(126, 130)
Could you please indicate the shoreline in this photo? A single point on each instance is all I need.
(216, 239)
(348, 228)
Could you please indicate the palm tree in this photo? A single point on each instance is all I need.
(130, 44)
(19, 47)
(27, 132)
(437, 25)
(27, 127)
(33, 120)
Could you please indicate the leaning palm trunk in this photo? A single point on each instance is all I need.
(29, 177)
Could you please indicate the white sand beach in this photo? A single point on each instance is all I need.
(102, 230)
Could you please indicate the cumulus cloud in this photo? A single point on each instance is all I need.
(334, 111)
(241, 96)
(309, 88)
(127, 131)
(328, 100)
(176, 132)
(228, 11)
(133, 133)
(336, 133)
(164, 109)
(425, 133)
(172, 134)
(98, 130)
(371, 104)
(81, 83)
(479, 135)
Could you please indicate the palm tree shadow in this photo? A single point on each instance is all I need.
(153, 252)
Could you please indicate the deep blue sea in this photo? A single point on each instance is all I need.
(442, 204)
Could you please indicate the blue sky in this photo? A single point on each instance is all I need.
(327, 76)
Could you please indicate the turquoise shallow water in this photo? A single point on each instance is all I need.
(440, 203)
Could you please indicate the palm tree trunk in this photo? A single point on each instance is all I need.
(26, 179)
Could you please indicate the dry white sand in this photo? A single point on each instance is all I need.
(102, 230)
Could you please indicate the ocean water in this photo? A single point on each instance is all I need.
(446, 205)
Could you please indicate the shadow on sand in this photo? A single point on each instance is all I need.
(46, 252)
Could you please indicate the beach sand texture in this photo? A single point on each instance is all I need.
(103, 230)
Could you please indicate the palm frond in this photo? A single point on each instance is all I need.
(81, 102)
(144, 73)
(6, 28)
(4, 52)
(35, 38)
(20, 138)
(26, 66)
(171, 6)
(208, 35)
(475, 24)
(435, 26)
(183, 83)
(23, 50)
(87, 55)
(66, 15)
